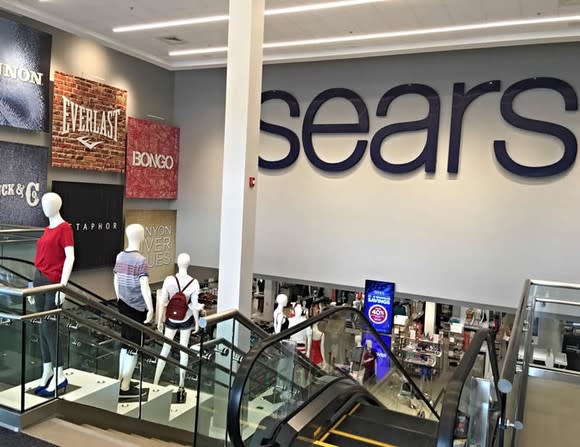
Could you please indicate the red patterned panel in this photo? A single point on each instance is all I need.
(152, 160)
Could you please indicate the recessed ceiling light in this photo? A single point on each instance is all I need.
(405, 33)
(225, 17)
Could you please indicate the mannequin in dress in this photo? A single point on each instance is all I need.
(369, 359)
(54, 261)
(300, 337)
(131, 283)
(190, 287)
(279, 317)
(315, 340)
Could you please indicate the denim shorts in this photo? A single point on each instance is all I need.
(187, 324)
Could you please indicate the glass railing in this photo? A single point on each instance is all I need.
(177, 385)
(544, 342)
(281, 375)
(227, 339)
(472, 404)
(18, 242)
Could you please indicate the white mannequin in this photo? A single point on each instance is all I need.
(302, 336)
(127, 361)
(183, 262)
(51, 205)
(356, 354)
(281, 303)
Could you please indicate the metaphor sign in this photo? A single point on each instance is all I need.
(95, 212)
(88, 125)
(23, 174)
(152, 160)
(24, 76)
(379, 298)
(159, 244)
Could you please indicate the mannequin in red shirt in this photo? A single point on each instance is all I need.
(54, 262)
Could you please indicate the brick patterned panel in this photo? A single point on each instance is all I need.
(89, 125)
(152, 160)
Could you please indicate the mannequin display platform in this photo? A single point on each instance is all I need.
(190, 288)
(131, 283)
(54, 262)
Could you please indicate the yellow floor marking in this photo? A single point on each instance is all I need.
(323, 444)
(351, 412)
(340, 421)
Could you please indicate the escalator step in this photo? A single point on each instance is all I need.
(395, 419)
(384, 432)
(342, 441)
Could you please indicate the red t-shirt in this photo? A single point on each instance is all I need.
(50, 253)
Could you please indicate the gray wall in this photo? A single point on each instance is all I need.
(150, 91)
(473, 238)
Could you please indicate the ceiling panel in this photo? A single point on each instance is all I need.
(96, 19)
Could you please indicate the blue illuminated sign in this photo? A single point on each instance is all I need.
(379, 297)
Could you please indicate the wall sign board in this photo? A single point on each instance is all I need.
(88, 125)
(95, 212)
(152, 160)
(159, 244)
(23, 173)
(24, 76)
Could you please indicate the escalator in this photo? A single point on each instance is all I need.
(334, 404)
(89, 339)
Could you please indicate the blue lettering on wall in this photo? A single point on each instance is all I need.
(542, 127)
(428, 156)
(309, 128)
(462, 99)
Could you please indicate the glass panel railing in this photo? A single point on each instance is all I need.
(281, 375)
(224, 345)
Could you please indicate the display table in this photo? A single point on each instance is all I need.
(540, 357)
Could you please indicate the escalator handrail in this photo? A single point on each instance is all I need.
(235, 314)
(251, 358)
(23, 261)
(508, 370)
(454, 389)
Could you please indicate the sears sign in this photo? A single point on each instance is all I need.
(379, 297)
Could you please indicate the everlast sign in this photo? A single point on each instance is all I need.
(89, 125)
(152, 160)
(24, 76)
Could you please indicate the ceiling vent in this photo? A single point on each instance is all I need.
(172, 40)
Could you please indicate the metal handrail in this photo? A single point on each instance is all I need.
(508, 371)
(455, 387)
(24, 261)
(46, 313)
(212, 320)
(552, 301)
(11, 291)
(241, 379)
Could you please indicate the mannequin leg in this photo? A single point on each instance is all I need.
(58, 375)
(165, 350)
(129, 366)
(122, 357)
(184, 336)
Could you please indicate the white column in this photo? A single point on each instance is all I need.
(242, 127)
(430, 312)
